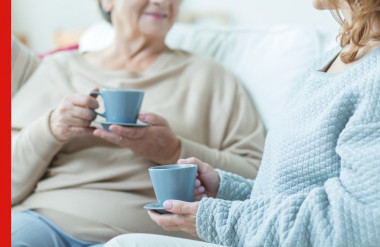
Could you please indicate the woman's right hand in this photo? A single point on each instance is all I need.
(208, 180)
(73, 117)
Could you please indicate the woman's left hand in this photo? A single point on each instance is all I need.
(183, 217)
(156, 142)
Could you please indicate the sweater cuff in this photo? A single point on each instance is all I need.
(39, 134)
(233, 187)
(211, 212)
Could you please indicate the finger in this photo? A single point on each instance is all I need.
(180, 207)
(85, 101)
(199, 197)
(168, 222)
(164, 219)
(153, 215)
(83, 113)
(128, 132)
(197, 182)
(196, 193)
(191, 160)
(111, 137)
(201, 165)
(79, 131)
(200, 190)
(95, 90)
(77, 122)
(153, 119)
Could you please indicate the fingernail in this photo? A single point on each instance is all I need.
(182, 160)
(142, 116)
(197, 183)
(97, 133)
(201, 189)
(168, 204)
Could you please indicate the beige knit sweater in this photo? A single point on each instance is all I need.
(95, 190)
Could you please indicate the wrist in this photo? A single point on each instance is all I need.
(51, 126)
(51, 129)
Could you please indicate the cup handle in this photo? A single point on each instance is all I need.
(97, 113)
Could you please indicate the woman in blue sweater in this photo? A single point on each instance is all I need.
(319, 181)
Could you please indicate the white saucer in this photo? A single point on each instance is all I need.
(154, 206)
(106, 125)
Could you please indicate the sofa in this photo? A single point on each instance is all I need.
(267, 60)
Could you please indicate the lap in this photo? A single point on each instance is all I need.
(152, 240)
(30, 229)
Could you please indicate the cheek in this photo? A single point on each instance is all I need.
(175, 8)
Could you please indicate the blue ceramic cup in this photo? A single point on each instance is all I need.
(173, 182)
(121, 106)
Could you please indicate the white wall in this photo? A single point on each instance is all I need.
(39, 19)
(262, 12)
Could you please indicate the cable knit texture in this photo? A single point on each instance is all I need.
(319, 182)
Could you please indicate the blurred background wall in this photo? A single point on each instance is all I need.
(47, 24)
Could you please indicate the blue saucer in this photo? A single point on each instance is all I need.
(106, 125)
(154, 206)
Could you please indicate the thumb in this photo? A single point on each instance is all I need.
(202, 167)
(152, 119)
(179, 207)
(94, 90)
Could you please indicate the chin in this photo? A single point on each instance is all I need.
(156, 34)
(157, 31)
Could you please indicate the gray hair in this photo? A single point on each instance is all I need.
(106, 15)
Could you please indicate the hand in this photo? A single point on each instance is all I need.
(208, 180)
(184, 216)
(156, 142)
(73, 117)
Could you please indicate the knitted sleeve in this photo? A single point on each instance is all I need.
(233, 187)
(344, 211)
(33, 144)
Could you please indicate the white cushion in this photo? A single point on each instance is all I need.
(96, 37)
(268, 61)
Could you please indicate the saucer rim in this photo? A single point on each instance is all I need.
(152, 208)
(160, 210)
(124, 124)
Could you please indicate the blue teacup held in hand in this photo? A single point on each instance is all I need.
(121, 106)
(173, 182)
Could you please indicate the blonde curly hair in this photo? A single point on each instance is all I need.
(359, 31)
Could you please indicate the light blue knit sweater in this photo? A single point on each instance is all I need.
(319, 181)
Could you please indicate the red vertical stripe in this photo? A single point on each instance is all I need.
(5, 67)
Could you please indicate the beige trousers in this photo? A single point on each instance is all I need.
(152, 240)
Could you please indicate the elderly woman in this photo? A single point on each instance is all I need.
(319, 181)
(76, 185)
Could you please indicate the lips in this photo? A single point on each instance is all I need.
(157, 15)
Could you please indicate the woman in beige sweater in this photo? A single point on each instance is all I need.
(74, 184)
